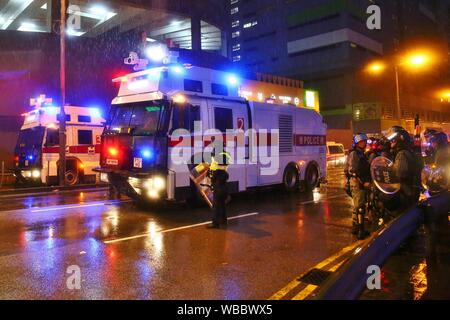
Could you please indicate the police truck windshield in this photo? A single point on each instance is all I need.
(140, 119)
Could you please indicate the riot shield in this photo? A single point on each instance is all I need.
(383, 176)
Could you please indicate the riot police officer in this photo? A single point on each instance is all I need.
(440, 149)
(357, 170)
(219, 178)
(407, 167)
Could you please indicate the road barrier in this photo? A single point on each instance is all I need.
(350, 281)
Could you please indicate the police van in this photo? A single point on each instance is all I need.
(37, 149)
(166, 120)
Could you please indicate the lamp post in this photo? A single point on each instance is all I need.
(414, 61)
(62, 113)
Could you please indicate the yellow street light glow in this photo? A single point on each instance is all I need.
(376, 67)
(418, 60)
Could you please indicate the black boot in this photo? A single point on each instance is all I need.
(362, 232)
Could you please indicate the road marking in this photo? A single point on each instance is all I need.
(302, 295)
(176, 229)
(280, 294)
(292, 285)
(336, 256)
(79, 206)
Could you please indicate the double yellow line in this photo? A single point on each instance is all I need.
(310, 288)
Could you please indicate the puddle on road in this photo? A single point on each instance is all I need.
(418, 270)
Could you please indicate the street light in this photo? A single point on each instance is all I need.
(414, 61)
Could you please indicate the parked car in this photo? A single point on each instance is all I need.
(336, 154)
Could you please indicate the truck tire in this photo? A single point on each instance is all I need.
(72, 177)
(291, 179)
(311, 177)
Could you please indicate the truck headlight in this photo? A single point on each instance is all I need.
(156, 183)
(153, 194)
(159, 183)
(36, 174)
(26, 174)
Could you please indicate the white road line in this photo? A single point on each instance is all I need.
(79, 206)
(176, 229)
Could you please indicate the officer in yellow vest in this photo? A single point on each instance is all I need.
(219, 178)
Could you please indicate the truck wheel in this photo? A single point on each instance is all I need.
(291, 179)
(311, 177)
(72, 177)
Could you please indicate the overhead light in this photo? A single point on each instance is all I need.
(156, 53)
(99, 10)
(74, 33)
(44, 7)
(27, 26)
(151, 40)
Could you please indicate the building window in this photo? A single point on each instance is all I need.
(250, 24)
(235, 34)
(235, 24)
(234, 10)
(236, 58)
(85, 137)
(234, 1)
(237, 47)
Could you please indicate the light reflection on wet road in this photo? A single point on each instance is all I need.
(255, 257)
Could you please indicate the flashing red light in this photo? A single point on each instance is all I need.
(113, 152)
(16, 158)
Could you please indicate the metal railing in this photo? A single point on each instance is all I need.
(350, 281)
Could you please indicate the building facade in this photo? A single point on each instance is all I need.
(327, 43)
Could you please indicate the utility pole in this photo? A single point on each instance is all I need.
(62, 114)
(397, 91)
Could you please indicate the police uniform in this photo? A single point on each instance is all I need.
(407, 168)
(357, 171)
(219, 178)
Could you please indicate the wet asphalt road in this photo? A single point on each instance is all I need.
(126, 252)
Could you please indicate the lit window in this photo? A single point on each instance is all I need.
(236, 34)
(250, 24)
(235, 24)
(234, 1)
(236, 58)
(237, 47)
(234, 10)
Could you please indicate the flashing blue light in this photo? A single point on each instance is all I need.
(178, 69)
(51, 110)
(30, 157)
(233, 80)
(147, 154)
(95, 112)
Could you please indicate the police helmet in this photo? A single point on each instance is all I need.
(224, 161)
(429, 133)
(360, 137)
(399, 134)
(440, 138)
